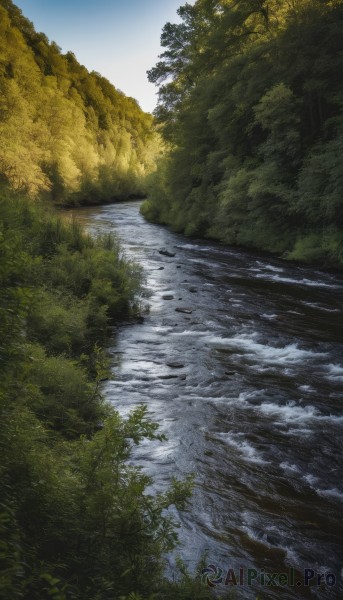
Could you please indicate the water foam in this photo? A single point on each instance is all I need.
(318, 306)
(335, 372)
(310, 479)
(249, 453)
(287, 467)
(324, 493)
(287, 355)
(269, 267)
(304, 281)
(291, 412)
(260, 538)
(299, 432)
(189, 332)
(296, 414)
(269, 535)
(331, 493)
(162, 329)
(205, 262)
(306, 388)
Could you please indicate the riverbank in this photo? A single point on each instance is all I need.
(246, 387)
(253, 135)
(75, 518)
(321, 249)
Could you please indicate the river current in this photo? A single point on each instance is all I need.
(239, 360)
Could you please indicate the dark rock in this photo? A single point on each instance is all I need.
(193, 290)
(178, 267)
(168, 297)
(186, 311)
(175, 365)
(160, 269)
(168, 377)
(165, 252)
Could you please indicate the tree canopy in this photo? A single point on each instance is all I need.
(250, 103)
(65, 132)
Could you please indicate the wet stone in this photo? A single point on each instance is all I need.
(165, 252)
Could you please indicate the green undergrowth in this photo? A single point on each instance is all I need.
(76, 518)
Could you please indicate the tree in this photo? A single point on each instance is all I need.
(250, 102)
(55, 116)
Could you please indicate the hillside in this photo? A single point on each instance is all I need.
(251, 105)
(65, 133)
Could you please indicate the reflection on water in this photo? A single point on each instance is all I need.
(253, 407)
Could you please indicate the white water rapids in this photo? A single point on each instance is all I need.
(254, 407)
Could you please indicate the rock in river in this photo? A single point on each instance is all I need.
(165, 252)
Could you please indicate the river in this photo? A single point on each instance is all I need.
(248, 389)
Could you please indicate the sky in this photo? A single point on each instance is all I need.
(118, 38)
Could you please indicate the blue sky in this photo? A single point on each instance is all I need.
(118, 38)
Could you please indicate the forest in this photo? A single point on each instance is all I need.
(77, 519)
(66, 134)
(244, 148)
(250, 107)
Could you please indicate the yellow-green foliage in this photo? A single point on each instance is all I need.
(64, 131)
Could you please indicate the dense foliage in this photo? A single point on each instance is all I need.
(76, 518)
(78, 521)
(251, 103)
(64, 131)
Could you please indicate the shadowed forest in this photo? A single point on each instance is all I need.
(251, 106)
(245, 147)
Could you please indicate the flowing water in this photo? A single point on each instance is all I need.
(247, 386)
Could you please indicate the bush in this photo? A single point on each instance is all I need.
(76, 519)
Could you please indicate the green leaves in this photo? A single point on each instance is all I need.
(255, 135)
(77, 518)
(66, 133)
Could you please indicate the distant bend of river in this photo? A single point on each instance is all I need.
(246, 382)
